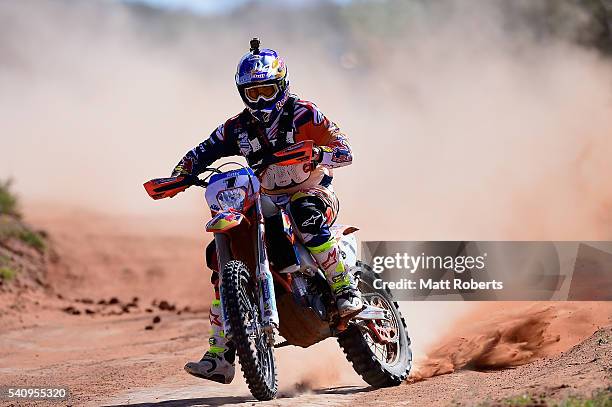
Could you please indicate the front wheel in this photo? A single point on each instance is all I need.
(379, 351)
(255, 351)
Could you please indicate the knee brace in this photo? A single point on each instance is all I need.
(308, 214)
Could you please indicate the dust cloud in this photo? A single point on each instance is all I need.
(501, 335)
(465, 123)
(321, 366)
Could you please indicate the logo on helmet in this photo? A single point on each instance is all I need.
(281, 103)
(262, 67)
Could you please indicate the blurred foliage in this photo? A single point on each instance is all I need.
(360, 23)
(32, 239)
(12, 228)
(600, 398)
(7, 273)
(587, 22)
(8, 200)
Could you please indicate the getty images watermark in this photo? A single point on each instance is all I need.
(482, 271)
(411, 263)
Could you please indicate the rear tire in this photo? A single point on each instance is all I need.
(358, 346)
(241, 307)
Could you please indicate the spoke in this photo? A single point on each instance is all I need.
(385, 353)
(259, 340)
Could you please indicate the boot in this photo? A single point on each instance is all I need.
(348, 298)
(341, 282)
(217, 364)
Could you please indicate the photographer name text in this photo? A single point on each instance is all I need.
(409, 263)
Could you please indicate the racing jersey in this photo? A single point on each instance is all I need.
(232, 138)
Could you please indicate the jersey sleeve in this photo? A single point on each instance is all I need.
(336, 150)
(216, 146)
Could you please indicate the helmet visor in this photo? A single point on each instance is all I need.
(265, 92)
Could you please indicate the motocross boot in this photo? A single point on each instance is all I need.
(341, 281)
(217, 364)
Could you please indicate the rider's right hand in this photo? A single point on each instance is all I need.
(190, 179)
(178, 171)
(187, 178)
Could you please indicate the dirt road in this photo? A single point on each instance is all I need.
(582, 369)
(116, 361)
(90, 335)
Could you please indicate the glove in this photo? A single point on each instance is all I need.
(184, 167)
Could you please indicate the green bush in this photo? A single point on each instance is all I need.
(601, 398)
(7, 273)
(14, 229)
(32, 239)
(8, 200)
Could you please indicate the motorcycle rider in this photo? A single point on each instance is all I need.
(273, 120)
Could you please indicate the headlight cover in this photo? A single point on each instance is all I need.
(231, 198)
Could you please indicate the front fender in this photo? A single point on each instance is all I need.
(224, 221)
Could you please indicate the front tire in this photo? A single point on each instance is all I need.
(255, 353)
(379, 365)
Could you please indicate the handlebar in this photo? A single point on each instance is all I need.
(299, 153)
(194, 180)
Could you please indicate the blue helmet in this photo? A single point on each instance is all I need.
(261, 78)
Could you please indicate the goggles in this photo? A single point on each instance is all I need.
(265, 92)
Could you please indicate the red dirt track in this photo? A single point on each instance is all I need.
(107, 357)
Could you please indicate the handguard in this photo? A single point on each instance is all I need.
(160, 188)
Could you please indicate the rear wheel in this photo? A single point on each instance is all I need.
(379, 351)
(254, 350)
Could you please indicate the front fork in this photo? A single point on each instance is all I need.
(265, 281)
(224, 255)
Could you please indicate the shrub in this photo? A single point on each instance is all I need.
(7, 273)
(14, 229)
(8, 200)
(32, 239)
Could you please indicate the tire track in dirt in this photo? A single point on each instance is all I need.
(578, 371)
(115, 361)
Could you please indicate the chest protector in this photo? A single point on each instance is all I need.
(260, 154)
(261, 147)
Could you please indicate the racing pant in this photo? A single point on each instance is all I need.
(312, 210)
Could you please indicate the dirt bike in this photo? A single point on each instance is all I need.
(269, 281)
